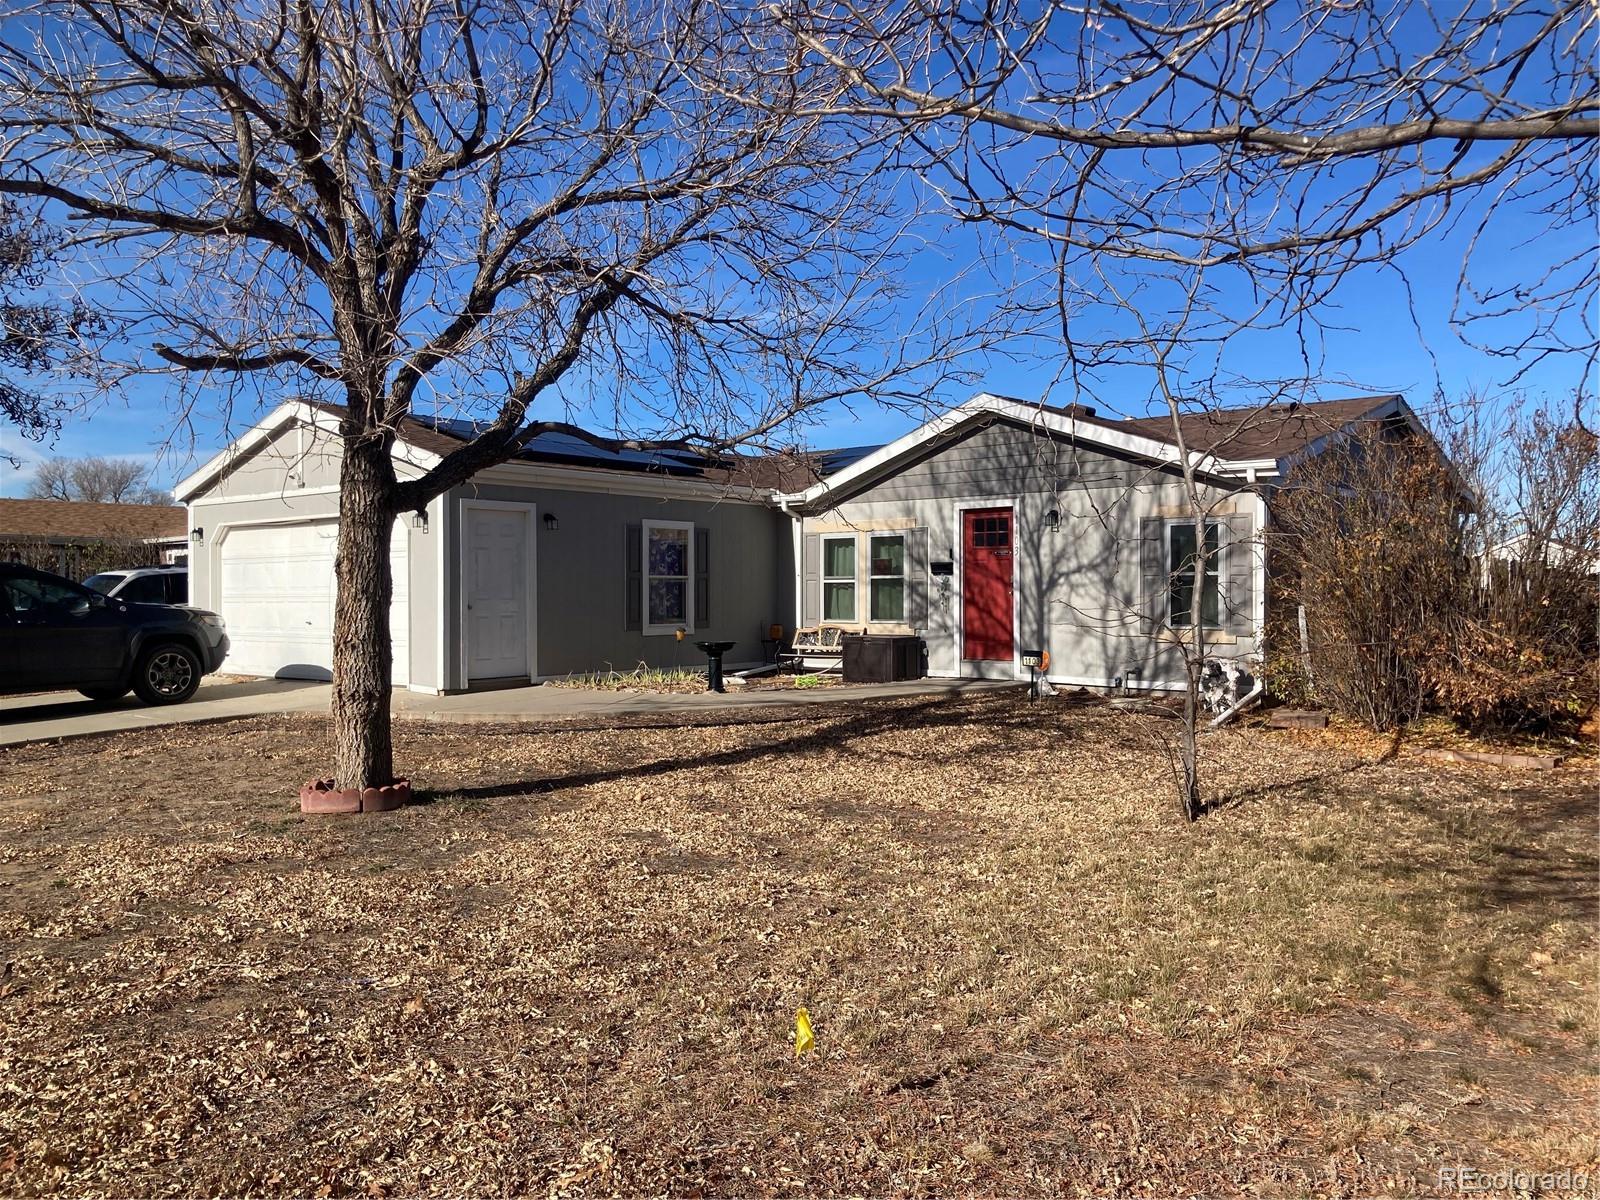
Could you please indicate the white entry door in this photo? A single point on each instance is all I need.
(497, 592)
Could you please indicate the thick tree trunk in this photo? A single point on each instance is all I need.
(363, 753)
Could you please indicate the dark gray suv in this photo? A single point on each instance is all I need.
(57, 634)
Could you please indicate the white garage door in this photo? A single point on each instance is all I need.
(277, 597)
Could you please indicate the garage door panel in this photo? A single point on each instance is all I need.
(277, 597)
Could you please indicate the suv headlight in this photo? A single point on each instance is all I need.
(212, 620)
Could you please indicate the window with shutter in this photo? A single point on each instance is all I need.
(839, 578)
(886, 574)
(1181, 557)
(668, 574)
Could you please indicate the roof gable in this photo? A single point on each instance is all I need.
(1236, 443)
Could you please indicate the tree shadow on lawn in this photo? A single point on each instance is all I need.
(1239, 796)
(839, 729)
(1544, 864)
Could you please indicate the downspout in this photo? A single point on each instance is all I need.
(796, 549)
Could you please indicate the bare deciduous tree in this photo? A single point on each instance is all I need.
(498, 208)
(1275, 147)
(103, 480)
(33, 332)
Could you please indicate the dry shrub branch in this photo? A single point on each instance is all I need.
(1465, 585)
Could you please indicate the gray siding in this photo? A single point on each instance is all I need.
(297, 460)
(1080, 590)
(583, 587)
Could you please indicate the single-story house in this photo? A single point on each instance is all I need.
(998, 527)
(77, 538)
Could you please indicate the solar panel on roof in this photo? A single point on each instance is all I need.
(829, 461)
(564, 447)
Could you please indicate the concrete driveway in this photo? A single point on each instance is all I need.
(49, 715)
(59, 715)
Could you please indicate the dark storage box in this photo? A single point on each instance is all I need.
(881, 657)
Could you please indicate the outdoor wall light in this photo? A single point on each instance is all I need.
(419, 520)
(1052, 519)
(551, 523)
(197, 534)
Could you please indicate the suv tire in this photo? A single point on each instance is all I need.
(167, 673)
(104, 695)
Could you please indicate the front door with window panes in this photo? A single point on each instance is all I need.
(986, 585)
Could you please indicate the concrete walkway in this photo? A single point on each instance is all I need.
(60, 715)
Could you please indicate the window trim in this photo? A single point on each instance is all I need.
(873, 577)
(1214, 568)
(824, 579)
(646, 525)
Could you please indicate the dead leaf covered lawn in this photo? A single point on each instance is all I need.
(575, 969)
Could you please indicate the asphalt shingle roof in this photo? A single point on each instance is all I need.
(83, 519)
(1273, 431)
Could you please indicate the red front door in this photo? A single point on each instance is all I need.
(986, 584)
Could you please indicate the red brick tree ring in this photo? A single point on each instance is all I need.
(324, 796)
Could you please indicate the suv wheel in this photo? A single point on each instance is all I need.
(167, 674)
(103, 695)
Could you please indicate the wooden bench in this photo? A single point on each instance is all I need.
(820, 647)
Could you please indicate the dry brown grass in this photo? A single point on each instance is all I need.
(575, 970)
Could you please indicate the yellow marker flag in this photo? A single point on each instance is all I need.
(803, 1040)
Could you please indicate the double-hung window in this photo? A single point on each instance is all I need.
(1180, 575)
(887, 577)
(668, 569)
(839, 578)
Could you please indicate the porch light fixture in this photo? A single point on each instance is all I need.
(551, 523)
(197, 534)
(1052, 520)
(419, 520)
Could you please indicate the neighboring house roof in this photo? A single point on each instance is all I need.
(79, 520)
(1554, 552)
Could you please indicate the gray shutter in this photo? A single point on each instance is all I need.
(1237, 573)
(917, 578)
(633, 577)
(1152, 574)
(811, 581)
(702, 578)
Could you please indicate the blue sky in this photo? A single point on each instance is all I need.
(1372, 342)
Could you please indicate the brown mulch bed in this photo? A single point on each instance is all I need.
(574, 968)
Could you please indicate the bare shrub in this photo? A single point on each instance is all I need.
(1468, 590)
(1369, 542)
(1522, 650)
